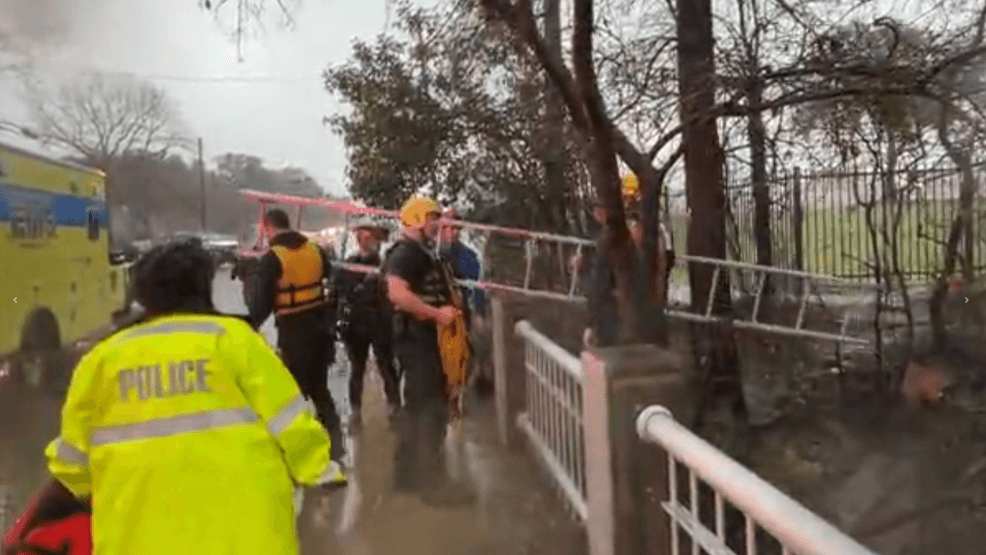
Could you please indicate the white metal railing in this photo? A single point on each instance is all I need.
(798, 530)
(812, 291)
(553, 417)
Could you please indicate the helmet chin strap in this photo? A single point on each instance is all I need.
(417, 233)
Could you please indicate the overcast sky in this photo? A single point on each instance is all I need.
(274, 110)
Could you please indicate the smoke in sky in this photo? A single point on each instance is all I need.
(30, 27)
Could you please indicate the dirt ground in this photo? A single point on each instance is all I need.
(900, 479)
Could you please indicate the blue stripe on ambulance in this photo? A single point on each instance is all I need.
(69, 210)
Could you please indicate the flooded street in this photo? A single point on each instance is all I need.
(27, 424)
(514, 512)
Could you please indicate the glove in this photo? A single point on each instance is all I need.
(589, 338)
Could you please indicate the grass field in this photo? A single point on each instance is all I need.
(838, 242)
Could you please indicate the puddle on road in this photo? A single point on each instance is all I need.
(28, 421)
(368, 517)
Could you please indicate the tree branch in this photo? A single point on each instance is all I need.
(732, 109)
(520, 20)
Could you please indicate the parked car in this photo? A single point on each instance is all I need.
(222, 247)
(143, 245)
(185, 236)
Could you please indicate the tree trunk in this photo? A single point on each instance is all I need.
(960, 226)
(554, 158)
(705, 192)
(553, 155)
(757, 135)
(601, 141)
(761, 193)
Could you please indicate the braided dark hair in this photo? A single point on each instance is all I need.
(174, 277)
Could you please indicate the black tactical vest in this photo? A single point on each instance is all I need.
(433, 288)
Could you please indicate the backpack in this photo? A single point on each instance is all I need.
(54, 523)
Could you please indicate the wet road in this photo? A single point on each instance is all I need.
(514, 511)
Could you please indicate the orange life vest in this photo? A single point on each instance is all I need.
(300, 287)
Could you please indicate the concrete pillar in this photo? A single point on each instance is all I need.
(508, 370)
(626, 479)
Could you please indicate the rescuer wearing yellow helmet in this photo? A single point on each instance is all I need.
(630, 191)
(630, 188)
(290, 282)
(665, 260)
(185, 429)
(631, 203)
(420, 289)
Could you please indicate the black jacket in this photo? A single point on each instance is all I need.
(604, 310)
(268, 273)
(361, 296)
(350, 284)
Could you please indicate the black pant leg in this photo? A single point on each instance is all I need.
(384, 352)
(422, 424)
(307, 353)
(323, 351)
(358, 349)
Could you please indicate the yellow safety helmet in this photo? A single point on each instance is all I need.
(416, 210)
(631, 187)
(631, 195)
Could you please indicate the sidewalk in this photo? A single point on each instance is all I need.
(515, 514)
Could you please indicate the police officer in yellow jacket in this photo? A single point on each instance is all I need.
(290, 283)
(186, 430)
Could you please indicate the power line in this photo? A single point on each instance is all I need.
(211, 79)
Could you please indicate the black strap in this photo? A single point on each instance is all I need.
(24, 547)
(445, 270)
(293, 289)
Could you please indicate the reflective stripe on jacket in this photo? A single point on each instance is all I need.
(300, 286)
(189, 434)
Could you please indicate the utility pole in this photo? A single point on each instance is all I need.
(202, 183)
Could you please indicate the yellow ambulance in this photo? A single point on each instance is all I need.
(58, 285)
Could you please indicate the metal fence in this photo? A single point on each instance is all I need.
(761, 506)
(820, 221)
(716, 506)
(552, 421)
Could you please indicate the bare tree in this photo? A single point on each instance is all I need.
(102, 119)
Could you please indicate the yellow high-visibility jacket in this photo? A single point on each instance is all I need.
(190, 435)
